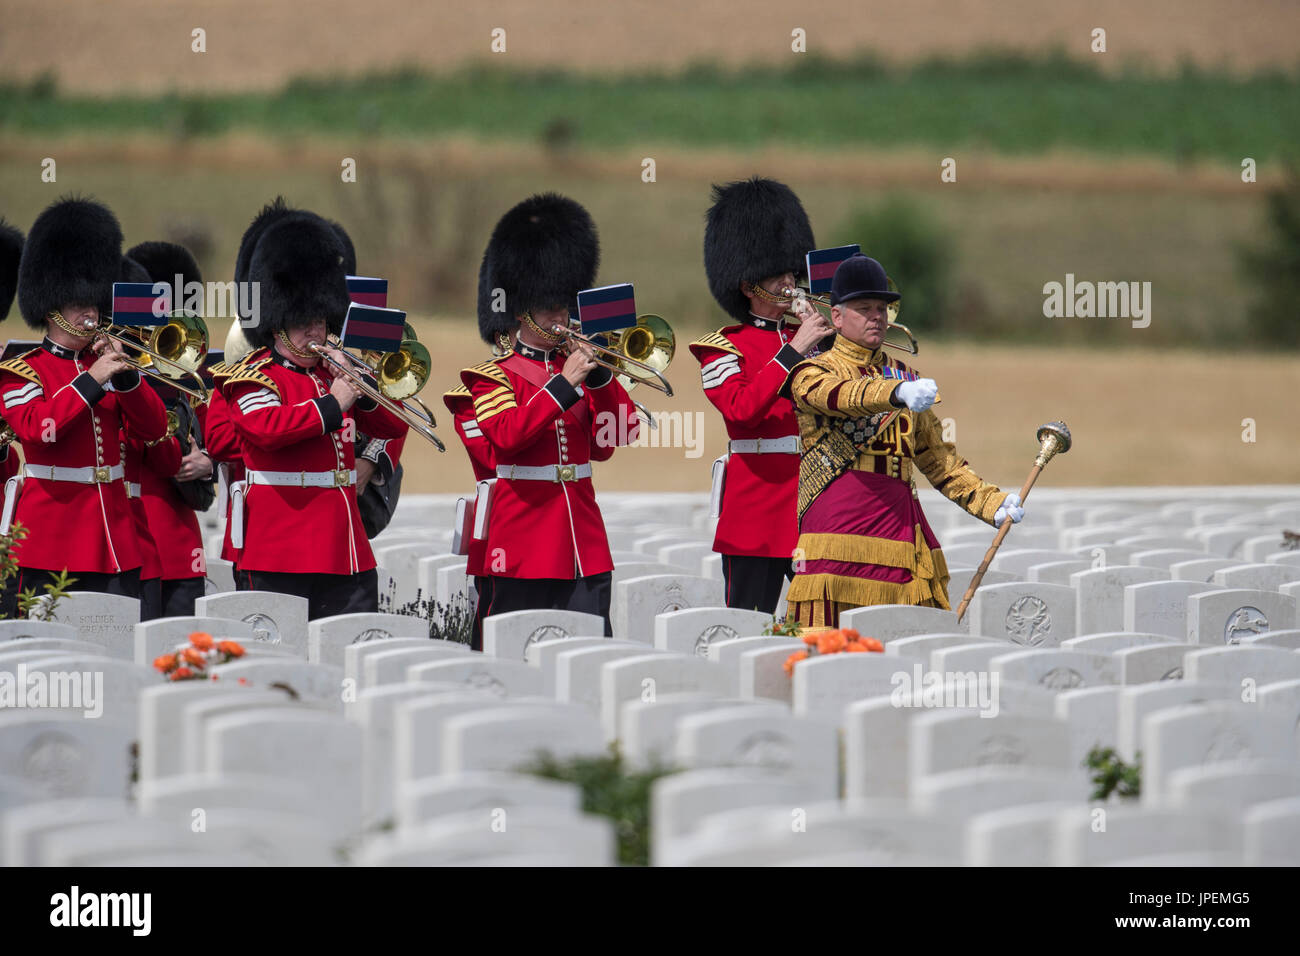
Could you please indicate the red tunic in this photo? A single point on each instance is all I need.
(743, 368)
(65, 419)
(133, 466)
(288, 422)
(546, 529)
(222, 445)
(9, 463)
(173, 522)
(461, 405)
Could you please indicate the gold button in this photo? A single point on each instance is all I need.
(101, 475)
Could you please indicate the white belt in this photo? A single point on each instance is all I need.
(303, 479)
(544, 472)
(90, 475)
(133, 489)
(785, 445)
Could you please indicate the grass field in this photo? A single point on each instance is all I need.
(991, 103)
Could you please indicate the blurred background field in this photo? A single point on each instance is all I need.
(1122, 166)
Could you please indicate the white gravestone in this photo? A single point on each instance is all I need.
(390, 666)
(108, 620)
(328, 636)
(637, 601)
(163, 635)
(941, 741)
(650, 727)
(761, 673)
(1199, 734)
(646, 676)
(1239, 665)
(1055, 669)
(1100, 607)
(1112, 642)
(513, 737)
(417, 730)
(1092, 714)
(1198, 569)
(196, 714)
(22, 629)
(888, 622)
(508, 636)
(544, 654)
(1145, 663)
(577, 671)
(320, 683)
(823, 686)
(1271, 833)
(502, 678)
(1016, 836)
(1134, 833)
(276, 618)
(355, 654)
(1232, 786)
(726, 654)
(965, 793)
(1160, 607)
(1055, 572)
(694, 630)
(1135, 703)
(780, 743)
(66, 756)
(309, 747)
(1226, 616)
(1035, 615)
(433, 797)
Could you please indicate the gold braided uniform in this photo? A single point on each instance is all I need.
(863, 538)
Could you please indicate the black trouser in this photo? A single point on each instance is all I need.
(125, 583)
(754, 584)
(150, 599)
(326, 594)
(590, 595)
(484, 585)
(179, 594)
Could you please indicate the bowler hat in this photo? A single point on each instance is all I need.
(861, 277)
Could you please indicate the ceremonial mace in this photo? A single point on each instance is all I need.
(1054, 439)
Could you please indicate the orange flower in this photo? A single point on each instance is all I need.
(194, 656)
(810, 638)
(165, 663)
(793, 659)
(851, 635)
(201, 640)
(855, 647)
(181, 673)
(230, 647)
(831, 642)
(873, 645)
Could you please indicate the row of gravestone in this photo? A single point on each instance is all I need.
(554, 728)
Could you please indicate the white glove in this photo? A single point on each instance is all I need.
(1010, 508)
(918, 395)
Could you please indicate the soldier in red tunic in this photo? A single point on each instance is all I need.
(178, 458)
(546, 415)
(755, 241)
(67, 401)
(302, 531)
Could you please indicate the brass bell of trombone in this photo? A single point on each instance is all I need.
(170, 352)
(650, 343)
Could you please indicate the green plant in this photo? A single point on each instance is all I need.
(41, 607)
(1110, 774)
(1272, 267)
(786, 628)
(917, 253)
(610, 789)
(453, 621)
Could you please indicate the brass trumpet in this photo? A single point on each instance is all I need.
(892, 309)
(179, 345)
(637, 354)
(396, 372)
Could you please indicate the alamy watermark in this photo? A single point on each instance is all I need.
(936, 689)
(61, 690)
(1102, 300)
(673, 430)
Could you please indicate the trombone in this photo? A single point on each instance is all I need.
(395, 373)
(637, 354)
(891, 309)
(179, 344)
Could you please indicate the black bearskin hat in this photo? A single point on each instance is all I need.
(72, 256)
(755, 229)
(11, 250)
(542, 253)
(164, 261)
(299, 263)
